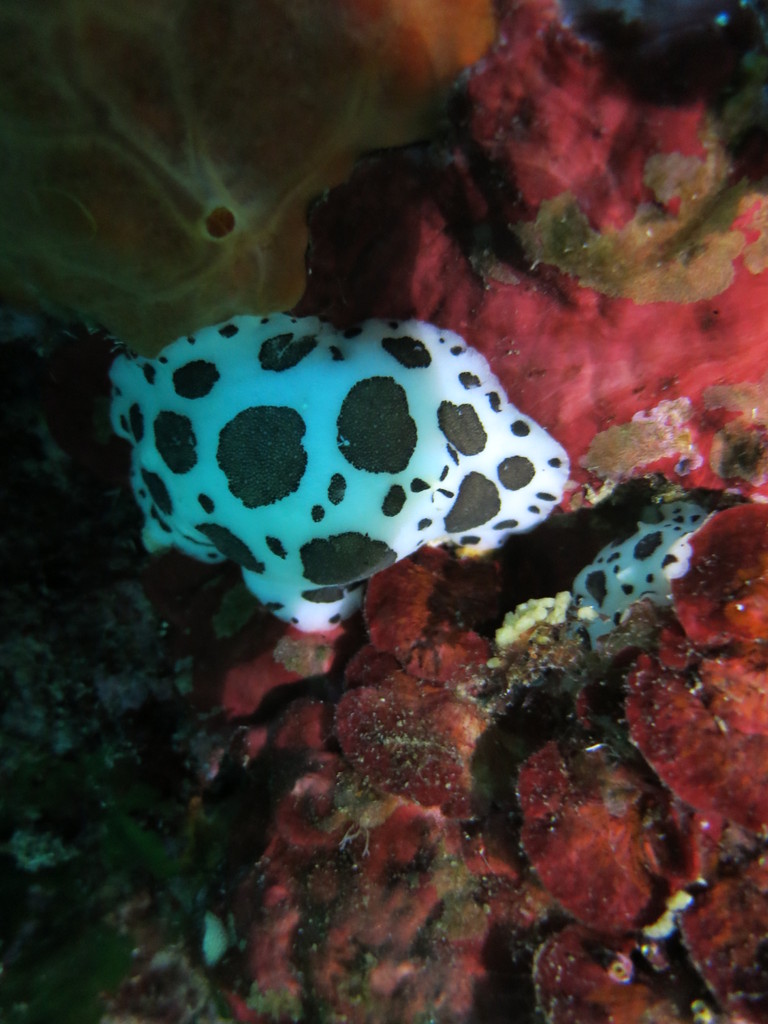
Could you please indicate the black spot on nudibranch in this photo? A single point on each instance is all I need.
(283, 352)
(424, 523)
(137, 421)
(175, 441)
(469, 380)
(520, 428)
(516, 472)
(477, 502)
(409, 352)
(647, 545)
(337, 488)
(595, 585)
(261, 454)
(230, 546)
(344, 557)
(375, 429)
(276, 547)
(494, 401)
(318, 513)
(462, 426)
(206, 503)
(195, 379)
(394, 501)
(158, 490)
(228, 330)
(506, 524)
(417, 484)
(353, 332)
(149, 373)
(336, 354)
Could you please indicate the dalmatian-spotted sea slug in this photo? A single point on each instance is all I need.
(640, 567)
(315, 458)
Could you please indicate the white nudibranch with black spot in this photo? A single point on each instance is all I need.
(640, 567)
(315, 457)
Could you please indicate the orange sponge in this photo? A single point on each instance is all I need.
(159, 157)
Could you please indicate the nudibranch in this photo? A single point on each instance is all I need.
(642, 566)
(315, 457)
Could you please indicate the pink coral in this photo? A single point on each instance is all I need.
(623, 379)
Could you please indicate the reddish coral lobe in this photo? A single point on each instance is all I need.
(692, 732)
(582, 980)
(413, 739)
(420, 608)
(725, 935)
(585, 830)
(747, 613)
(724, 594)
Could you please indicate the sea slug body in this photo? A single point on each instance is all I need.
(642, 566)
(315, 457)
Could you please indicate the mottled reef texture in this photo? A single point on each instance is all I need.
(206, 815)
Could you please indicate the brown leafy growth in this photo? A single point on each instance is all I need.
(164, 153)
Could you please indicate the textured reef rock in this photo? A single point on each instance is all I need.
(196, 135)
(583, 979)
(622, 852)
(709, 707)
(590, 823)
(596, 818)
(374, 898)
(407, 819)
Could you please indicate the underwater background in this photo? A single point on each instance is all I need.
(520, 787)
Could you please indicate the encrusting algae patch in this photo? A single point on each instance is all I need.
(680, 248)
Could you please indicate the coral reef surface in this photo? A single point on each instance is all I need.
(458, 806)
